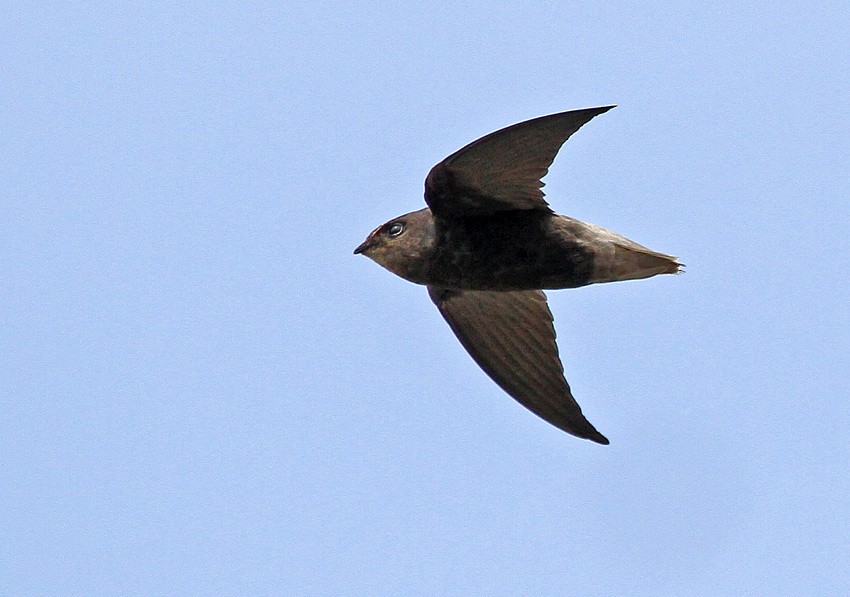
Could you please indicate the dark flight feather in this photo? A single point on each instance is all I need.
(511, 337)
(502, 171)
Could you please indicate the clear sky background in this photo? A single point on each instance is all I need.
(204, 392)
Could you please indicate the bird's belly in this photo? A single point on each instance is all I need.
(514, 266)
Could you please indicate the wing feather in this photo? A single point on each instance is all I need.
(512, 338)
(503, 170)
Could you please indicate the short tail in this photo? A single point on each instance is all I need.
(631, 261)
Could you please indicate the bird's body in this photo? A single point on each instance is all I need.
(523, 250)
(488, 244)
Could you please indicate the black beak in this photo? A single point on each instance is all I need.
(363, 246)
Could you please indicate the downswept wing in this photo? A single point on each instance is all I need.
(502, 171)
(511, 337)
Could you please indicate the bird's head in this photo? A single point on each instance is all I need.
(402, 244)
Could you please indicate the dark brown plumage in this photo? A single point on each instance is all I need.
(487, 245)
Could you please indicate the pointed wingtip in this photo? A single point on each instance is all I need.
(584, 430)
(600, 439)
(603, 109)
(595, 111)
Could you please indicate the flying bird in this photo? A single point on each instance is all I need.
(487, 246)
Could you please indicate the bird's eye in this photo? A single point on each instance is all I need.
(395, 229)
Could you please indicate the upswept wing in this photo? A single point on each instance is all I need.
(502, 171)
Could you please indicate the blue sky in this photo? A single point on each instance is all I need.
(204, 392)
